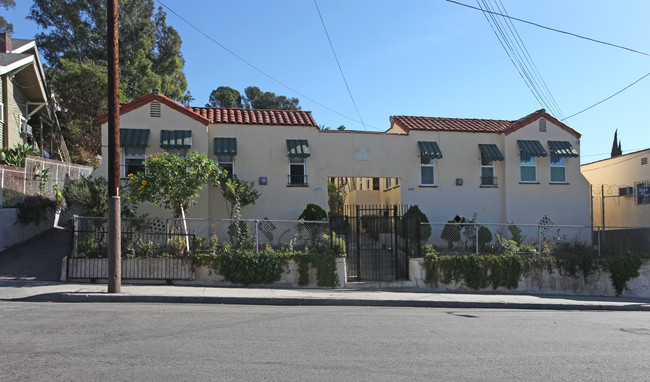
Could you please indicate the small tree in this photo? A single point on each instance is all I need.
(173, 181)
(336, 199)
(238, 192)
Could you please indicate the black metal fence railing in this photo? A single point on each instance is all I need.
(297, 180)
(489, 181)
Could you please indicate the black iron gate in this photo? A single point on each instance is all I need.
(379, 241)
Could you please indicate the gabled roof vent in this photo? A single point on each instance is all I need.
(154, 109)
(542, 125)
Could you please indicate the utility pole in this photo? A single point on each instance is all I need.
(114, 220)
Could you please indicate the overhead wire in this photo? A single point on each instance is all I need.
(529, 58)
(339, 64)
(519, 58)
(255, 67)
(552, 29)
(605, 99)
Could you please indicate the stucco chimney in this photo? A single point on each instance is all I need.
(5, 43)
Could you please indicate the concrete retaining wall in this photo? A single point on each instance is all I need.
(542, 282)
(12, 232)
(181, 271)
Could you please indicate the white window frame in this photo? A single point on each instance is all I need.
(562, 165)
(533, 160)
(488, 165)
(429, 164)
(127, 154)
(222, 161)
(298, 162)
(2, 112)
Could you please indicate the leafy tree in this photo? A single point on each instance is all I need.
(6, 26)
(84, 85)
(91, 194)
(225, 96)
(336, 199)
(257, 99)
(238, 194)
(173, 181)
(74, 47)
(341, 128)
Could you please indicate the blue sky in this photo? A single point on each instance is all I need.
(421, 57)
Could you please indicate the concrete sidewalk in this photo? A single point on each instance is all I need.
(41, 291)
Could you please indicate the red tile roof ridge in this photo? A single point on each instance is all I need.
(407, 123)
(256, 116)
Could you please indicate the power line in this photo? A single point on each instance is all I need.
(552, 29)
(339, 64)
(515, 49)
(256, 68)
(530, 59)
(599, 102)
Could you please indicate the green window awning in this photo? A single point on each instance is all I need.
(130, 138)
(490, 152)
(175, 139)
(225, 146)
(298, 148)
(563, 149)
(532, 148)
(429, 150)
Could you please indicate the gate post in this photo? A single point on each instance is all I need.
(358, 234)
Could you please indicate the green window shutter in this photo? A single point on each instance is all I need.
(563, 149)
(134, 138)
(298, 148)
(175, 139)
(225, 146)
(491, 152)
(532, 148)
(429, 150)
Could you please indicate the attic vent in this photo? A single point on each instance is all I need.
(542, 125)
(154, 109)
(644, 160)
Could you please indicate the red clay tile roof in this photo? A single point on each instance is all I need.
(451, 124)
(256, 116)
(127, 107)
(472, 125)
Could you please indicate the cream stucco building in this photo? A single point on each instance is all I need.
(504, 171)
(622, 185)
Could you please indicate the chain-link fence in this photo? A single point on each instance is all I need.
(494, 238)
(165, 237)
(39, 176)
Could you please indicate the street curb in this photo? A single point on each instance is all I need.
(299, 301)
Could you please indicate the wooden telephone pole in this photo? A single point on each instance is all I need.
(114, 219)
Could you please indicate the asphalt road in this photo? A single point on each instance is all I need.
(157, 342)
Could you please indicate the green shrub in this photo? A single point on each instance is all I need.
(34, 209)
(451, 234)
(313, 212)
(424, 228)
(484, 236)
(249, 267)
(88, 248)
